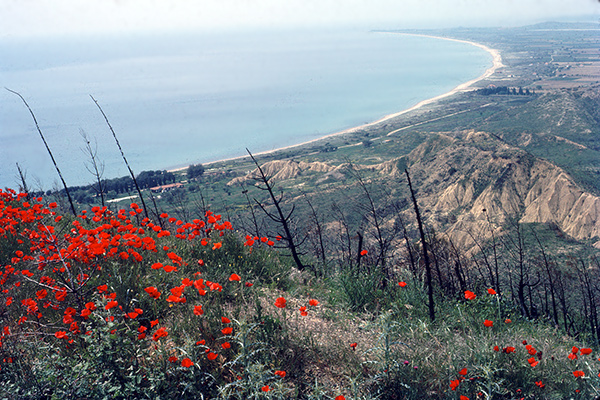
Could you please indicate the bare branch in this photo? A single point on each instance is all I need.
(47, 148)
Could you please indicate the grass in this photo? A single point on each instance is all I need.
(361, 341)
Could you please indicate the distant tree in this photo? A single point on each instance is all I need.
(147, 179)
(94, 166)
(521, 93)
(195, 171)
(23, 187)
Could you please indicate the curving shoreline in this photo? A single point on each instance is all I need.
(463, 87)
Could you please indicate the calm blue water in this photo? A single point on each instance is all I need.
(179, 100)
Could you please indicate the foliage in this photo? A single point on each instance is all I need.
(195, 171)
(112, 305)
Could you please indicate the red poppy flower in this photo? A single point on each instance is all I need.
(353, 345)
(454, 384)
(586, 351)
(540, 384)
(280, 302)
(169, 268)
(198, 310)
(572, 356)
(235, 277)
(226, 345)
(111, 304)
(530, 349)
(303, 311)
(364, 253)
(507, 321)
(248, 284)
(496, 348)
(280, 373)
(186, 362)
(402, 284)
(462, 372)
(470, 295)
(225, 320)
(61, 335)
(578, 374)
(509, 350)
(491, 291)
(160, 332)
(463, 397)
(340, 397)
(313, 302)
(532, 362)
(265, 388)
(488, 323)
(173, 359)
(211, 356)
(153, 292)
(227, 331)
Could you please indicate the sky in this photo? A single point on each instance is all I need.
(19, 18)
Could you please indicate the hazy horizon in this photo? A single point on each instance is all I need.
(37, 18)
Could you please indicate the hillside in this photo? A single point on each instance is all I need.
(462, 180)
(202, 296)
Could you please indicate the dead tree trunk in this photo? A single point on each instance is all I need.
(280, 218)
(431, 304)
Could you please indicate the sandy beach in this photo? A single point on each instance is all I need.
(467, 86)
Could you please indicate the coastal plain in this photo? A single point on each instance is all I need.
(532, 150)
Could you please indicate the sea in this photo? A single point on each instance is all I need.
(180, 99)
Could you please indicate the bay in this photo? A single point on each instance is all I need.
(175, 100)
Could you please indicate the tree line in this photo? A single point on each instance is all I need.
(505, 91)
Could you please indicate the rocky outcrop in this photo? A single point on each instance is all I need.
(280, 170)
(491, 179)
